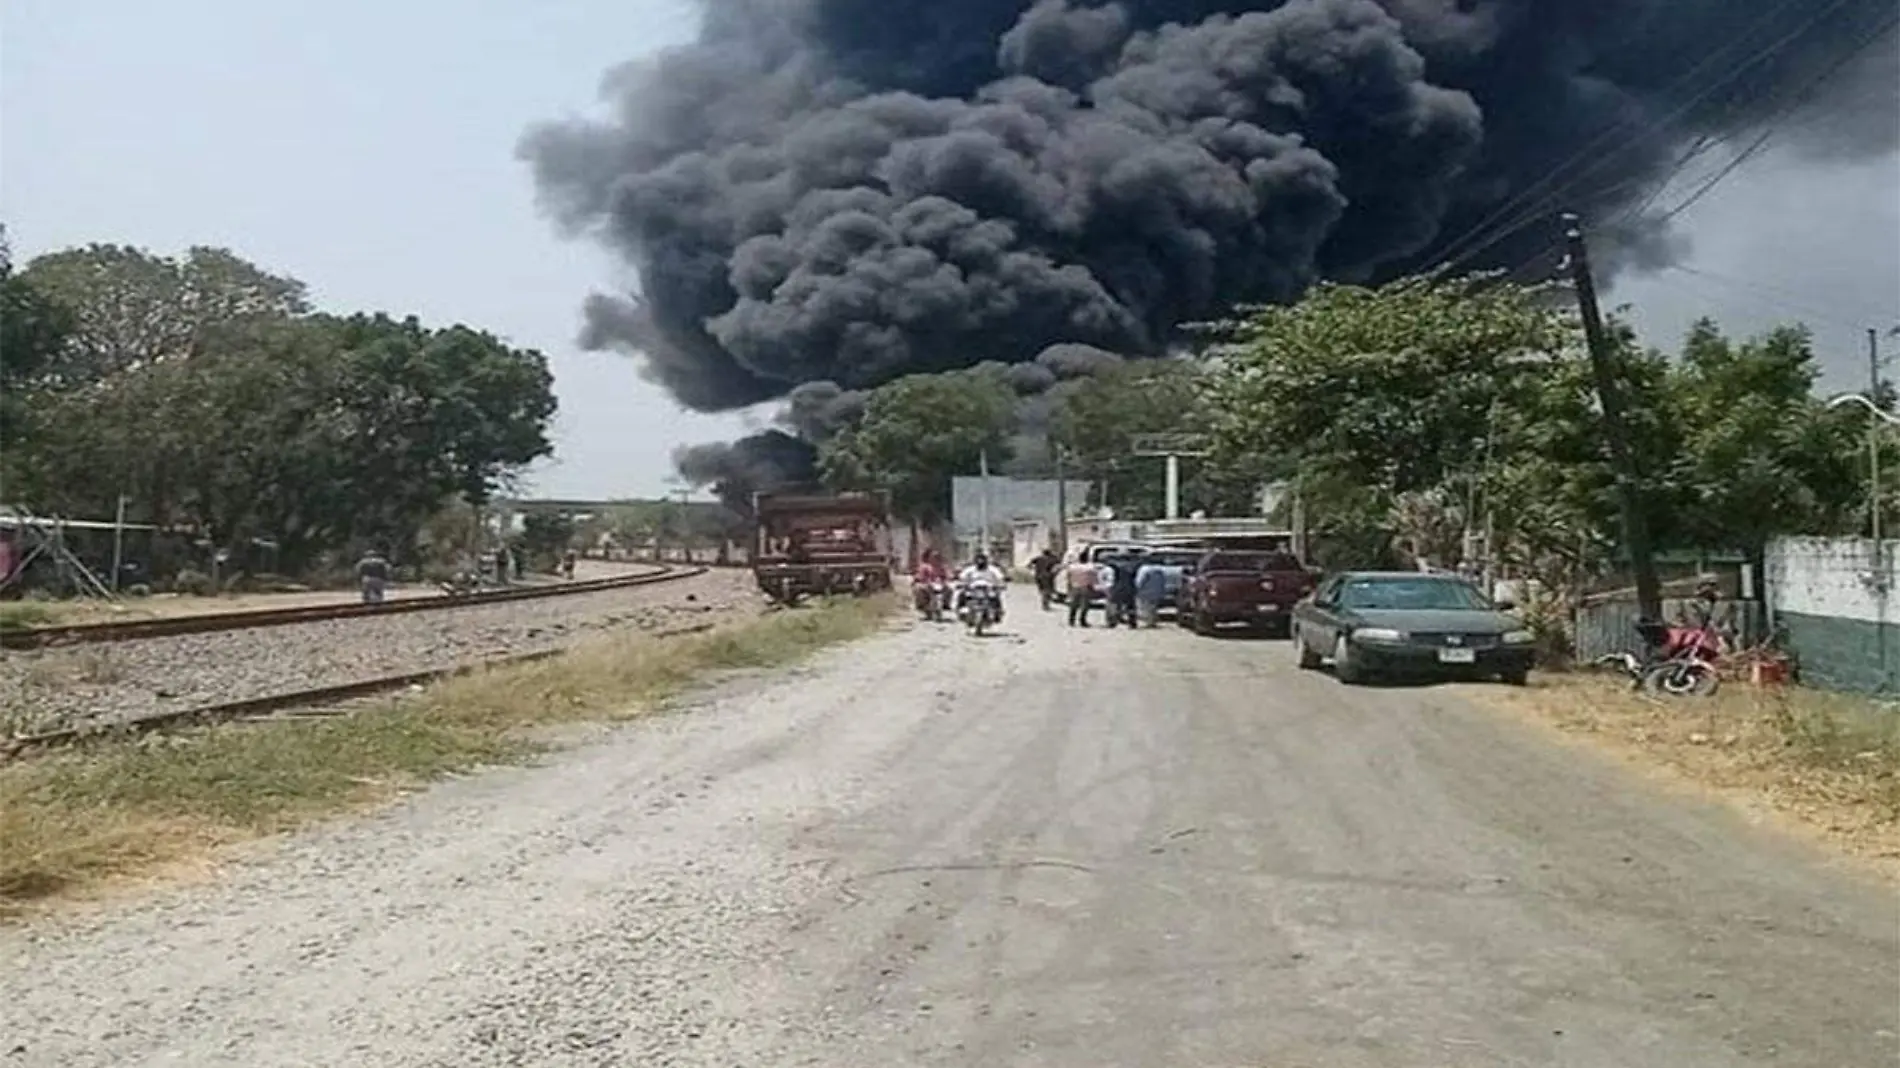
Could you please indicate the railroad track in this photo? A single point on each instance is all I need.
(274, 705)
(129, 630)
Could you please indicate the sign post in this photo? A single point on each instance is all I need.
(1171, 447)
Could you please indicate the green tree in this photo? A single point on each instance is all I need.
(544, 537)
(33, 333)
(919, 432)
(246, 418)
(1761, 455)
(131, 308)
(1097, 420)
(1370, 397)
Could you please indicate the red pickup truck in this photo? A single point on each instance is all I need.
(1258, 589)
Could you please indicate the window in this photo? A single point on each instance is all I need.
(1409, 594)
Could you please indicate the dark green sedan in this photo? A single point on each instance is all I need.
(1389, 623)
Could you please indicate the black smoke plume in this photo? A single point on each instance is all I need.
(820, 196)
(736, 470)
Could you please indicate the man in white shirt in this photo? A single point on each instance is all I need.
(981, 572)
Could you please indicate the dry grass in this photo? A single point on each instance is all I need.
(1826, 763)
(79, 821)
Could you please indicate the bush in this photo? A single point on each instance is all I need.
(193, 582)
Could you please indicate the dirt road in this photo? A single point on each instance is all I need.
(1048, 848)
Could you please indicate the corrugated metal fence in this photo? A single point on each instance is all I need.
(1610, 626)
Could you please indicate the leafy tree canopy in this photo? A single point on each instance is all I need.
(917, 433)
(205, 391)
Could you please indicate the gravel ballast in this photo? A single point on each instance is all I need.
(51, 688)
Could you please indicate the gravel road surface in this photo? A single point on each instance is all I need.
(1045, 848)
(46, 688)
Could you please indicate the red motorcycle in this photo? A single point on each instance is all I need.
(1680, 661)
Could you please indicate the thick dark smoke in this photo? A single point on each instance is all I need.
(769, 460)
(823, 195)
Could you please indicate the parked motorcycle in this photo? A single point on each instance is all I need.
(981, 608)
(1676, 662)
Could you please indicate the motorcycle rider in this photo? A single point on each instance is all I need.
(930, 571)
(981, 572)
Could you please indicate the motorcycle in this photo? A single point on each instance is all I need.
(1677, 662)
(981, 608)
(932, 599)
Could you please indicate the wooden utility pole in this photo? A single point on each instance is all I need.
(1615, 430)
(1062, 501)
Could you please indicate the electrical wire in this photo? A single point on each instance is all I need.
(1794, 105)
(1783, 298)
(1612, 131)
(1551, 200)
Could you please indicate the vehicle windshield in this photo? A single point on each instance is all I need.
(1252, 562)
(1405, 594)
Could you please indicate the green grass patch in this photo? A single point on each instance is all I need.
(24, 615)
(118, 808)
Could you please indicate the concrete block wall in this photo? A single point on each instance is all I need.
(1838, 602)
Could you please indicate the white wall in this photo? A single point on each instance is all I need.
(1833, 577)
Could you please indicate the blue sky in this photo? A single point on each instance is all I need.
(368, 149)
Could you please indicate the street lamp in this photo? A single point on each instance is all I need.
(1873, 464)
(1861, 399)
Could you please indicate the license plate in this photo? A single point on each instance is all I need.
(1457, 656)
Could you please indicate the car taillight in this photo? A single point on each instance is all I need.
(1266, 584)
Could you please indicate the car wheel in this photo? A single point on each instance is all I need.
(1307, 659)
(1515, 677)
(1345, 666)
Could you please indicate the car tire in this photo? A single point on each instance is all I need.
(1515, 677)
(1345, 666)
(1307, 659)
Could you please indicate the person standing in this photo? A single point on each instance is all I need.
(372, 575)
(567, 565)
(1083, 581)
(1151, 583)
(1121, 590)
(1044, 567)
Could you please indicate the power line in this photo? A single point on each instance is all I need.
(1612, 131)
(1794, 105)
(1552, 200)
(1775, 295)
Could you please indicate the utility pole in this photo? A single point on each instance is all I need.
(1170, 447)
(1062, 502)
(1615, 430)
(1873, 443)
(983, 508)
(118, 540)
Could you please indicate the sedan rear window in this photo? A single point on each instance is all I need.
(1403, 594)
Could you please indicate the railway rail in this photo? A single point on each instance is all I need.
(271, 705)
(130, 630)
